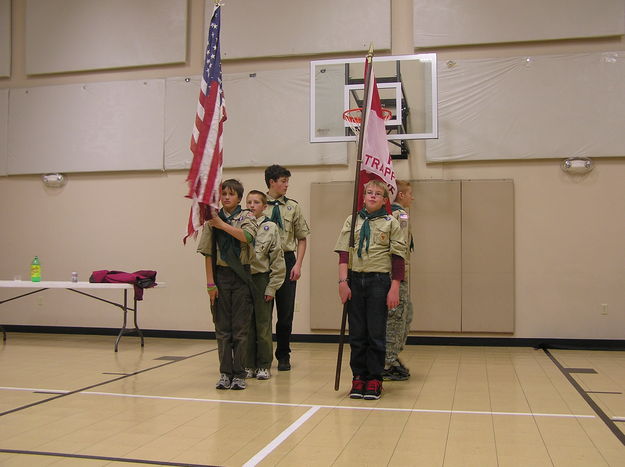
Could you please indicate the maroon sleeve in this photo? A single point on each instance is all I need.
(343, 257)
(398, 267)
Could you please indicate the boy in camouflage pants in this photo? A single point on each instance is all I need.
(400, 317)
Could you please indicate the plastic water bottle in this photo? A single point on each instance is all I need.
(35, 270)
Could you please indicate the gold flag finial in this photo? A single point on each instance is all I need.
(370, 54)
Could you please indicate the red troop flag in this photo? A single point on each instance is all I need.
(376, 159)
(206, 143)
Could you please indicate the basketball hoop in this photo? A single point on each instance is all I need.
(353, 117)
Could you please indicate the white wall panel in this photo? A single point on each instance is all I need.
(550, 106)
(74, 35)
(5, 37)
(458, 22)
(287, 27)
(87, 127)
(267, 121)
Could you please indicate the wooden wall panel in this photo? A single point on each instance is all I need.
(331, 203)
(487, 256)
(435, 285)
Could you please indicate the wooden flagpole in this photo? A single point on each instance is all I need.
(363, 122)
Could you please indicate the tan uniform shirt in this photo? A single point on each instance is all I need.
(244, 220)
(403, 218)
(386, 239)
(269, 256)
(293, 221)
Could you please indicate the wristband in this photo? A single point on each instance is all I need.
(211, 288)
(210, 284)
(342, 280)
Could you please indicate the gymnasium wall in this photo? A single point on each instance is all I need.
(568, 230)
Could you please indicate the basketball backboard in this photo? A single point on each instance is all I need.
(407, 86)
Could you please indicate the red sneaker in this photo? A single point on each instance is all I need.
(373, 389)
(358, 388)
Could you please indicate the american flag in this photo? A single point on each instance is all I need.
(206, 143)
(376, 159)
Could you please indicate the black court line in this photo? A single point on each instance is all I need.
(69, 393)
(603, 392)
(600, 413)
(590, 371)
(102, 458)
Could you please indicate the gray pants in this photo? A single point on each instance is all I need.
(231, 314)
(398, 325)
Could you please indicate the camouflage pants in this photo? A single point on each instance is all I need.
(398, 325)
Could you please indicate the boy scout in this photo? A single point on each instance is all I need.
(229, 284)
(400, 317)
(377, 267)
(287, 214)
(268, 272)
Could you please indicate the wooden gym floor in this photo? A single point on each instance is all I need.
(71, 400)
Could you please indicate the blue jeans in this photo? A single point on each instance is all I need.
(367, 314)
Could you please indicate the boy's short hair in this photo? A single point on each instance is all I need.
(274, 172)
(263, 196)
(234, 185)
(402, 185)
(378, 184)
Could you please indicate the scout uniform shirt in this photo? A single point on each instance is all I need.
(386, 239)
(269, 256)
(244, 220)
(294, 226)
(403, 218)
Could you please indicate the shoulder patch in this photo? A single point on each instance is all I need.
(403, 215)
(266, 227)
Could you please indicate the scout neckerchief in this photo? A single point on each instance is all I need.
(230, 249)
(365, 229)
(398, 207)
(275, 214)
(228, 245)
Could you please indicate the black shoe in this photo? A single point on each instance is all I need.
(394, 374)
(284, 363)
(400, 368)
(358, 388)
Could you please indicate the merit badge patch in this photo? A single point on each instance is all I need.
(266, 227)
(382, 237)
(289, 208)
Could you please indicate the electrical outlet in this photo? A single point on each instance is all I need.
(604, 309)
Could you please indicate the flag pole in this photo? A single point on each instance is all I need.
(355, 209)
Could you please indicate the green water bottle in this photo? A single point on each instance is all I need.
(35, 270)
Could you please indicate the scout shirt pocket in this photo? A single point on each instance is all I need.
(381, 233)
(288, 214)
(261, 248)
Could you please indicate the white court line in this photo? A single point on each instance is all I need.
(281, 437)
(285, 404)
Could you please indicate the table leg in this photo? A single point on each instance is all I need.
(135, 310)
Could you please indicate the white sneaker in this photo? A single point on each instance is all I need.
(238, 383)
(250, 373)
(263, 373)
(224, 382)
